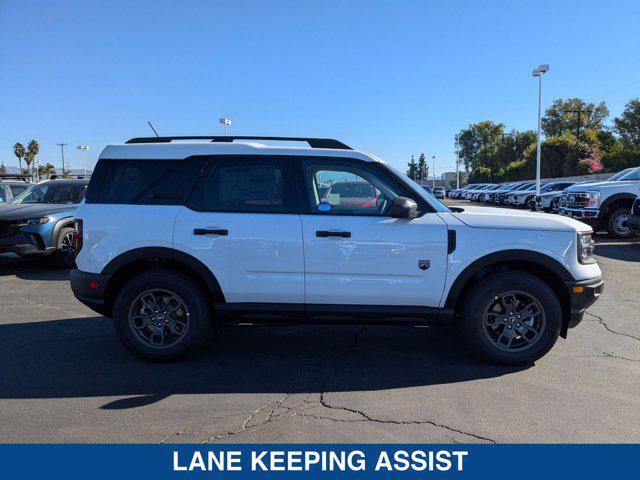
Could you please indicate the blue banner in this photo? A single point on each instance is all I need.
(511, 462)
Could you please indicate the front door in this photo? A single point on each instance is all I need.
(357, 255)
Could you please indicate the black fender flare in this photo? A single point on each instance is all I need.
(145, 253)
(614, 198)
(504, 256)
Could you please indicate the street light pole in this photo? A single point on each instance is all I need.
(538, 72)
(84, 148)
(226, 122)
(457, 173)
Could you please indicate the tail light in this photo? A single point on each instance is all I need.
(77, 237)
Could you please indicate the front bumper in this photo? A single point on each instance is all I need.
(25, 244)
(634, 223)
(90, 289)
(586, 215)
(582, 294)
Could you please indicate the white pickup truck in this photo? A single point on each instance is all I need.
(604, 205)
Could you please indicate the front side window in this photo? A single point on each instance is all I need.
(346, 188)
(3, 195)
(244, 185)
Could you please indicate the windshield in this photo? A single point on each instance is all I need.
(64, 193)
(632, 175)
(352, 190)
(424, 194)
(618, 175)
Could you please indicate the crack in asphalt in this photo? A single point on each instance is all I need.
(611, 355)
(601, 321)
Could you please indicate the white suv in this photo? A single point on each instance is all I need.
(176, 237)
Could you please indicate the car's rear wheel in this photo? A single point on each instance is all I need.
(618, 224)
(511, 317)
(162, 315)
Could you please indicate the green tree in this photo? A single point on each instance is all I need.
(47, 169)
(479, 145)
(627, 126)
(33, 149)
(423, 169)
(20, 152)
(412, 171)
(3, 170)
(573, 115)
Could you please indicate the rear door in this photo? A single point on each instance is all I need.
(241, 220)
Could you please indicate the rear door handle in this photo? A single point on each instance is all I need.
(329, 233)
(208, 231)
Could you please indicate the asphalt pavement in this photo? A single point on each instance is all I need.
(64, 377)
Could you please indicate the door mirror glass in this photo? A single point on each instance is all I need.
(403, 207)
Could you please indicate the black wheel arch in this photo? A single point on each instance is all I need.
(539, 264)
(619, 198)
(123, 267)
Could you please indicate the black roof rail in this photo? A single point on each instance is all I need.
(313, 142)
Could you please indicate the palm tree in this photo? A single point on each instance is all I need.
(20, 152)
(33, 149)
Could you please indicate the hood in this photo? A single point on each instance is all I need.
(20, 211)
(502, 218)
(598, 185)
(551, 194)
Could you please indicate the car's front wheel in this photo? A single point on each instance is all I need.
(162, 315)
(64, 256)
(618, 223)
(511, 317)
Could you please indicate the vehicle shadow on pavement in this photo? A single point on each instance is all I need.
(624, 250)
(32, 269)
(82, 357)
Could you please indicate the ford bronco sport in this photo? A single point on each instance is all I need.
(180, 234)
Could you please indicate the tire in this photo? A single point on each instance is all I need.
(530, 204)
(482, 338)
(139, 335)
(618, 223)
(64, 256)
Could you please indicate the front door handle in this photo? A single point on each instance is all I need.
(208, 231)
(329, 233)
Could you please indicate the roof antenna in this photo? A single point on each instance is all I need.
(154, 130)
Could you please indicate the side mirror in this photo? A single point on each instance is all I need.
(403, 207)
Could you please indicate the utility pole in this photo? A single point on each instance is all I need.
(433, 164)
(62, 145)
(457, 173)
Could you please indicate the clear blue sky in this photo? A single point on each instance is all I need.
(391, 77)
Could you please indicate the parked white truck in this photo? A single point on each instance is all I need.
(604, 205)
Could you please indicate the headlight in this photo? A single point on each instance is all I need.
(593, 200)
(38, 221)
(586, 246)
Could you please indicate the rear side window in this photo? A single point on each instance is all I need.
(127, 179)
(245, 184)
(146, 182)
